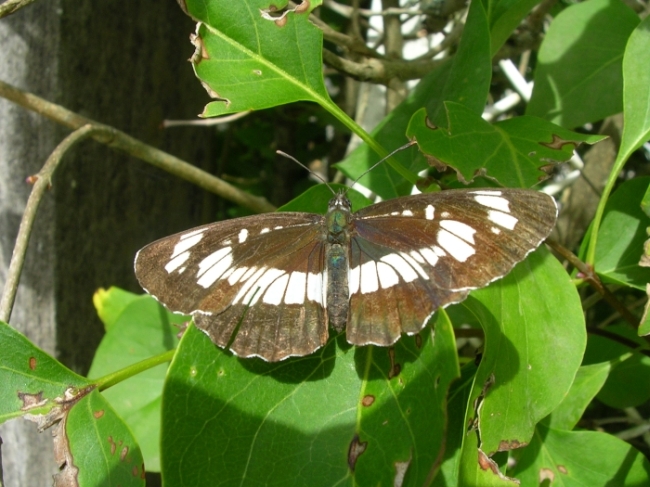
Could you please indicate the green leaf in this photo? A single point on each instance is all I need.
(144, 329)
(469, 79)
(250, 62)
(579, 458)
(505, 17)
(102, 447)
(110, 304)
(580, 61)
(30, 379)
(628, 383)
(316, 199)
(636, 89)
(621, 236)
(588, 381)
(513, 151)
(534, 341)
(226, 420)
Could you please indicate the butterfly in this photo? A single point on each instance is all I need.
(269, 285)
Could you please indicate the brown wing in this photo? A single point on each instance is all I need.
(252, 284)
(410, 256)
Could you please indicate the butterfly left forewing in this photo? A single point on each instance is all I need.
(254, 284)
(413, 255)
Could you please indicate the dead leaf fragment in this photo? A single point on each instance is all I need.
(507, 445)
(355, 451)
(31, 401)
(368, 400)
(546, 474)
(400, 471)
(558, 142)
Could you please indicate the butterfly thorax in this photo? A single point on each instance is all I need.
(337, 260)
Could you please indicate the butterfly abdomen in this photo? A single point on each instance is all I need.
(338, 296)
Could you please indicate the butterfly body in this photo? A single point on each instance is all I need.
(269, 285)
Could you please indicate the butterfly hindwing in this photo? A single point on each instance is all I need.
(410, 256)
(261, 276)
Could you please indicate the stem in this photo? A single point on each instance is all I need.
(113, 378)
(121, 141)
(43, 181)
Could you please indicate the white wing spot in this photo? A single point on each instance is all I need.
(243, 235)
(212, 259)
(265, 230)
(296, 289)
(495, 230)
(186, 244)
(192, 233)
(368, 280)
(430, 256)
(275, 292)
(429, 212)
(250, 280)
(279, 227)
(260, 286)
(494, 202)
(387, 276)
(394, 213)
(407, 213)
(353, 280)
(176, 262)
(438, 251)
(502, 219)
(412, 262)
(417, 256)
(236, 275)
(401, 266)
(459, 229)
(226, 242)
(445, 214)
(457, 248)
(213, 266)
(315, 288)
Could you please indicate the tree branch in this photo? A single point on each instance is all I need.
(12, 6)
(42, 182)
(117, 139)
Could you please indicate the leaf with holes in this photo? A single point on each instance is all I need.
(518, 152)
(315, 417)
(100, 445)
(30, 379)
(257, 54)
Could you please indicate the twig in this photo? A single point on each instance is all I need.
(43, 181)
(12, 6)
(592, 278)
(380, 70)
(206, 122)
(121, 141)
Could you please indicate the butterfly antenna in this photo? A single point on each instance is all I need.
(284, 154)
(405, 146)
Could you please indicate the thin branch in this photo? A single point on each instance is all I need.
(121, 141)
(347, 11)
(12, 6)
(43, 181)
(353, 44)
(592, 278)
(206, 122)
(380, 70)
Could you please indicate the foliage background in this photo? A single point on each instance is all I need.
(250, 425)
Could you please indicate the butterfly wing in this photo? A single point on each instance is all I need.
(254, 284)
(410, 256)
